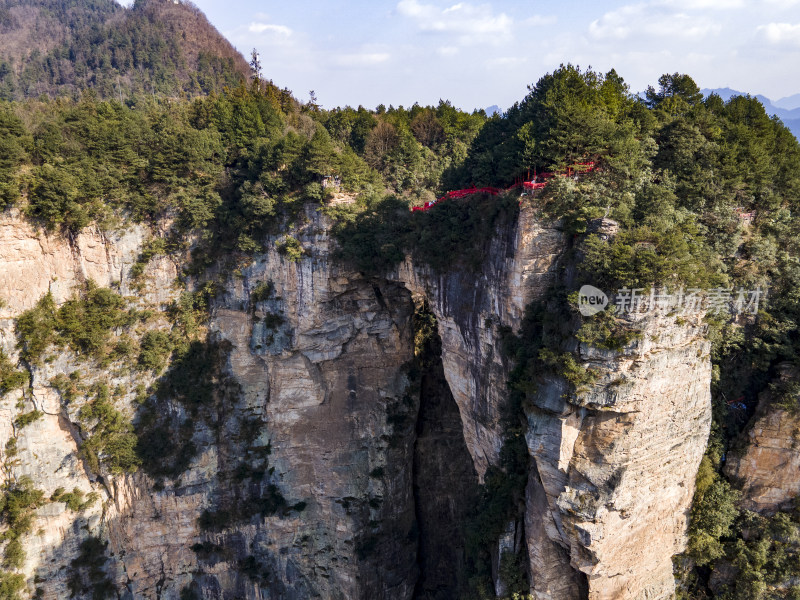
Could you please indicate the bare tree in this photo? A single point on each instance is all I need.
(380, 141)
(427, 129)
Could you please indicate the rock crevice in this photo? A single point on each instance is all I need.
(376, 464)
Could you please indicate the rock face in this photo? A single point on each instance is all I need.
(322, 367)
(31, 264)
(615, 465)
(767, 467)
(369, 467)
(520, 267)
(35, 262)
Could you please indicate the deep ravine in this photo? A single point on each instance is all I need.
(445, 481)
(328, 468)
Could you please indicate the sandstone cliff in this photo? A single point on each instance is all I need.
(369, 465)
(766, 461)
(614, 465)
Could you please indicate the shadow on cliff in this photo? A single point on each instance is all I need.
(445, 481)
(195, 410)
(453, 233)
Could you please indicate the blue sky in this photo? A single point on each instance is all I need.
(481, 53)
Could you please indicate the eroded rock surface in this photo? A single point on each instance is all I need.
(617, 463)
(767, 464)
(520, 266)
(321, 365)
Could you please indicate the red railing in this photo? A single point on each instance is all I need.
(537, 183)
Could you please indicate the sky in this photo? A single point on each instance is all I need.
(478, 54)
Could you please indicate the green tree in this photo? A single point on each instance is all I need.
(12, 153)
(380, 142)
(676, 86)
(54, 199)
(319, 156)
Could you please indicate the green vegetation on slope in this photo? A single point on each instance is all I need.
(232, 167)
(236, 169)
(84, 323)
(155, 47)
(109, 436)
(10, 377)
(18, 501)
(455, 232)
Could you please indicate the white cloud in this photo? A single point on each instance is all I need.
(540, 20)
(781, 3)
(781, 33)
(277, 44)
(650, 20)
(468, 21)
(256, 27)
(447, 50)
(506, 61)
(362, 59)
(705, 4)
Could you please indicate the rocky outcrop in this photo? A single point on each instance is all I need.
(47, 450)
(766, 462)
(321, 365)
(370, 468)
(611, 466)
(615, 464)
(35, 262)
(469, 306)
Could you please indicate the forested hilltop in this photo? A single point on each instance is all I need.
(61, 47)
(706, 194)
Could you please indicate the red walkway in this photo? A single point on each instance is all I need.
(537, 183)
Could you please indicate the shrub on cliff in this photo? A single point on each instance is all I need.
(36, 328)
(713, 514)
(263, 290)
(11, 584)
(74, 499)
(454, 233)
(25, 419)
(109, 436)
(643, 256)
(10, 377)
(155, 348)
(566, 365)
(291, 248)
(17, 503)
(604, 331)
(84, 323)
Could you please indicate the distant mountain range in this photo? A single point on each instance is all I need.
(789, 102)
(786, 109)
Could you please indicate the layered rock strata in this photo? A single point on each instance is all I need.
(614, 464)
(767, 460)
(322, 365)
